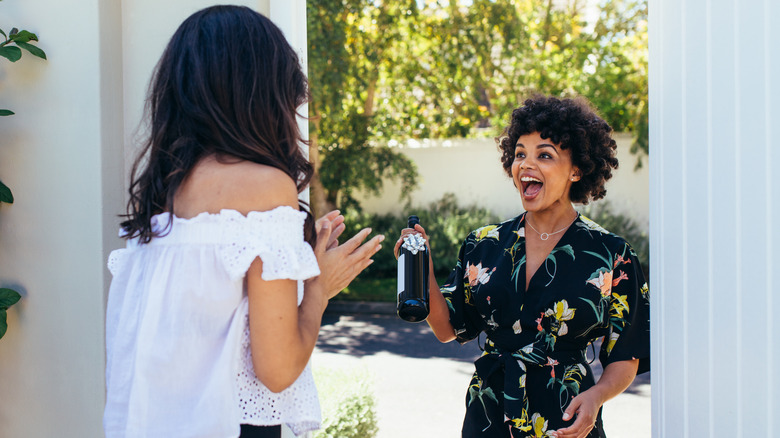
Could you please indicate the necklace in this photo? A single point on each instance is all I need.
(545, 236)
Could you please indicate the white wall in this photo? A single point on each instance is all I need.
(714, 130)
(52, 244)
(471, 168)
(64, 157)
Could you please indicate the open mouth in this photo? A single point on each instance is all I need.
(531, 186)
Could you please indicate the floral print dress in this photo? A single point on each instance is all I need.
(590, 286)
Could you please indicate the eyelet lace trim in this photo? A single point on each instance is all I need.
(260, 406)
(277, 237)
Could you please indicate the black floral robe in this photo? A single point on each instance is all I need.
(591, 286)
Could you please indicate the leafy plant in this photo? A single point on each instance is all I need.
(348, 404)
(11, 49)
(8, 298)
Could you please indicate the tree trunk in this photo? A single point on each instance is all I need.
(317, 196)
(368, 106)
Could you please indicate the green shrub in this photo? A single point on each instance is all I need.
(445, 221)
(625, 227)
(448, 224)
(348, 404)
(370, 289)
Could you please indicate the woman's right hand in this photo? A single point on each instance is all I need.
(418, 229)
(439, 315)
(341, 263)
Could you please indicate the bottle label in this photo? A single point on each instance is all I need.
(401, 273)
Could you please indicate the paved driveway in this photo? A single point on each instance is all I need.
(420, 384)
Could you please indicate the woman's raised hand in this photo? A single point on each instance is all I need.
(418, 229)
(336, 225)
(341, 263)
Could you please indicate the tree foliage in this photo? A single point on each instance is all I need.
(383, 71)
(351, 47)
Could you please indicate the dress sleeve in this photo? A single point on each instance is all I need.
(629, 314)
(276, 237)
(464, 317)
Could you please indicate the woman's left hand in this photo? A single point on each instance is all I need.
(336, 223)
(615, 379)
(585, 407)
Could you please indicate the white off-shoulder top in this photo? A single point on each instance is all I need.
(177, 335)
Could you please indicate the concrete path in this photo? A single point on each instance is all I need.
(420, 384)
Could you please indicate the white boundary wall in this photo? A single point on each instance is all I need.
(471, 168)
(714, 130)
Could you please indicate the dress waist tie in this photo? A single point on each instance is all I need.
(514, 364)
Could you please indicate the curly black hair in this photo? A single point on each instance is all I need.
(573, 124)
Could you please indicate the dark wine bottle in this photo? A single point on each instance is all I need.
(413, 276)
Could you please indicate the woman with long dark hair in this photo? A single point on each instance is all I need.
(216, 303)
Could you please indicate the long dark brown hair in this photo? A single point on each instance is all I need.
(228, 85)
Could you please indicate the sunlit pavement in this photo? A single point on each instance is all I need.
(420, 384)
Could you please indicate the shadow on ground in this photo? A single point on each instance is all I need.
(362, 335)
(369, 334)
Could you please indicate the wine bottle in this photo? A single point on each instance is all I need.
(413, 276)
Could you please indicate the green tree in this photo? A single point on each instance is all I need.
(493, 53)
(351, 45)
(382, 71)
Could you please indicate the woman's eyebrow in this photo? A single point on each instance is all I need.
(543, 145)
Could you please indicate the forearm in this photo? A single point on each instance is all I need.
(309, 321)
(438, 314)
(282, 334)
(616, 378)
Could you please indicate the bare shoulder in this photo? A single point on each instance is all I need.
(241, 185)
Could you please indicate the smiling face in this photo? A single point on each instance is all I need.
(543, 172)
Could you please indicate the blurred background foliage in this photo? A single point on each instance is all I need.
(393, 70)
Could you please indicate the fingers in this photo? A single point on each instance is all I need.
(329, 216)
(323, 235)
(350, 245)
(338, 228)
(339, 267)
(360, 258)
(369, 248)
(568, 414)
(418, 229)
(581, 426)
(579, 429)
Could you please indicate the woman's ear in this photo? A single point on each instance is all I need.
(576, 175)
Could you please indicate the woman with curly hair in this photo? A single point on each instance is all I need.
(546, 284)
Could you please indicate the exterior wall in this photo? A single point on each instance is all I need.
(52, 240)
(64, 155)
(714, 130)
(472, 170)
